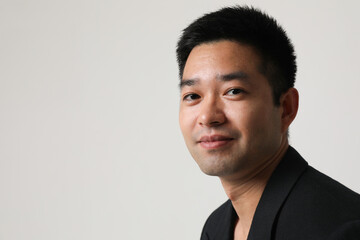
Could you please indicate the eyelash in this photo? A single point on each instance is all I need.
(235, 89)
(187, 96)
(191, 95)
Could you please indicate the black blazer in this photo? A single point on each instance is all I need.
(298, 203)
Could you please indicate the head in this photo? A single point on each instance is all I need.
(237, 69)
(251, 27)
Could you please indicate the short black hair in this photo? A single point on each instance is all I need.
(249, 26)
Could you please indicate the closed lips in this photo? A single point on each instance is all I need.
(214, 138)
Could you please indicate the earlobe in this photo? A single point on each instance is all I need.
(289, 102)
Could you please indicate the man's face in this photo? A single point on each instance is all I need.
(227, 115)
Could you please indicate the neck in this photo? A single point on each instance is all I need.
(245, 192)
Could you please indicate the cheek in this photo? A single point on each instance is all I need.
(267, 124)
(186, 121)
(241, 115)
(252, 118)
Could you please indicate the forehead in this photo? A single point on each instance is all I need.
(219, 58)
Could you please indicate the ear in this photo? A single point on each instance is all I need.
(289, 102)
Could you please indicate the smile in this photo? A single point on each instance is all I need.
(214, 141)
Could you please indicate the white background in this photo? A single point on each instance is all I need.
(90, 146)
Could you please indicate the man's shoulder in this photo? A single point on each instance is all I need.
(312, 184)
(303, 203)
(325, 187)
(315, 190)
(319, 204)
(320, 196)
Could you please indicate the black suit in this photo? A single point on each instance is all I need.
(298, 203)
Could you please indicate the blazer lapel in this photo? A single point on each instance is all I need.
(225, 230)
(276, 191)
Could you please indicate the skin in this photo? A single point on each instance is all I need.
(230, 124)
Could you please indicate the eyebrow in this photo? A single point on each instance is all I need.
(233, 76)
(188, 82)
(239, 75)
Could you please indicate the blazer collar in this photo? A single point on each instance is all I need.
(275, 193)
(225, 228)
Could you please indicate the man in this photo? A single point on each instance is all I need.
(237, 70)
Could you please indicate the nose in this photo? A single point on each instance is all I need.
(211, 112)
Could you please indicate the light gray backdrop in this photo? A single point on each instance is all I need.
(89, 141)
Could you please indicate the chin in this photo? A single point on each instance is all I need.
(216, 170)
(210, 172)
(216, 165)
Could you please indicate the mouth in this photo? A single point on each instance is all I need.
(214, 141)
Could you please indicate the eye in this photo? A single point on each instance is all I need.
(235, 91)
(191, 97)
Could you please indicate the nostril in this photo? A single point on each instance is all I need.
(211, 123)
(214, 123)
